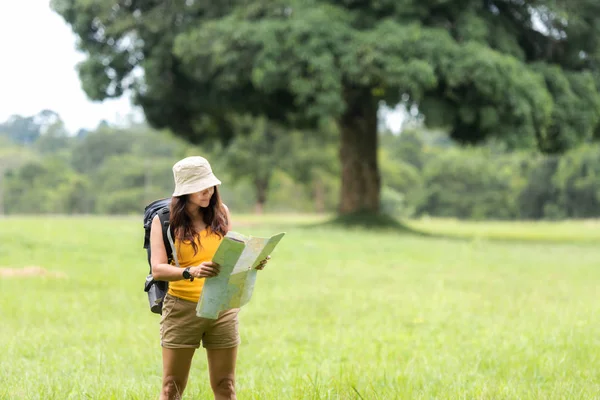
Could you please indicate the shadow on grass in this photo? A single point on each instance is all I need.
(384, 223)
(371, 222)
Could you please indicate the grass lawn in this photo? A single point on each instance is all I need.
(542, 231)
(337, 314)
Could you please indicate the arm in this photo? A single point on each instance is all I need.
(161, 270)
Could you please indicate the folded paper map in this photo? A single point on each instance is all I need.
(238, 255)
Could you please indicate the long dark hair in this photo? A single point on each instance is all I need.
(214, 216)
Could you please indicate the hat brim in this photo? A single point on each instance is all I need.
(196, 185)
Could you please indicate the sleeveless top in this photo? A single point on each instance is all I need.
(207, 247)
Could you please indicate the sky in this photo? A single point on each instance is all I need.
(38, 72)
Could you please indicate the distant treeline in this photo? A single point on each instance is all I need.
(111, 170)
(119, 170)
(487, 182)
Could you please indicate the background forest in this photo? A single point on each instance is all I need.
(118, 170)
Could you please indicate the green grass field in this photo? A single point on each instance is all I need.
(336, 315)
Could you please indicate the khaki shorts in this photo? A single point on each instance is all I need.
(181, 328)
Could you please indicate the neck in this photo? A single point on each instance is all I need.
(193, 211)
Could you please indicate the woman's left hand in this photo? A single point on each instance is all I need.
(262, 264)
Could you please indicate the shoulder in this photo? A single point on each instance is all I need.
(226, 209)
(228, 216)
(156, 228)
(160, 217)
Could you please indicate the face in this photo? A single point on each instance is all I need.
(202, 199)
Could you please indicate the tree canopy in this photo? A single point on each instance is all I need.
(525, 72)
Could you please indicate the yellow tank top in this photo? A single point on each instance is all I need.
(207, 247)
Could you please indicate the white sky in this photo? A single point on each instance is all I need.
(37, 69)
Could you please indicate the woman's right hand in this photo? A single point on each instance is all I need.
(207, 269)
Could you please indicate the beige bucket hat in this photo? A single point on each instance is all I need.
(193, 174)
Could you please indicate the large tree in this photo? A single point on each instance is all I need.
(524, 71)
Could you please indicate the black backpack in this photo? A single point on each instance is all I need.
(157, 289)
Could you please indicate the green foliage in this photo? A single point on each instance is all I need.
(468, 187)
(262, 155)
(54, 139)
(539, 197)
(11, 157)
(402, 184)
(487, 182)
(286, 194)
(128, 182)
(26, 130)
(525, 73)
(256, 153)
(397, 174)
(578, 182)
(313, 162)
(49, 185)
(409, 148)
(125, 201)
(90, 153)
(393, 203)
(120, 170)
(577, 108)
(297, 60)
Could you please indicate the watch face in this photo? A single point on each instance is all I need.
(186, 274)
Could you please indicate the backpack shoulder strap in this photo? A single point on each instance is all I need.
(164, 218)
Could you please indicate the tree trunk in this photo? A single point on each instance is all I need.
(361, 182)
(261, 185)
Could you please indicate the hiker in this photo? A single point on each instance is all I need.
(199, 221)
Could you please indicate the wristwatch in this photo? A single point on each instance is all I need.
(187, 275)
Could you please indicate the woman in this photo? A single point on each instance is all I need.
(199, 221)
